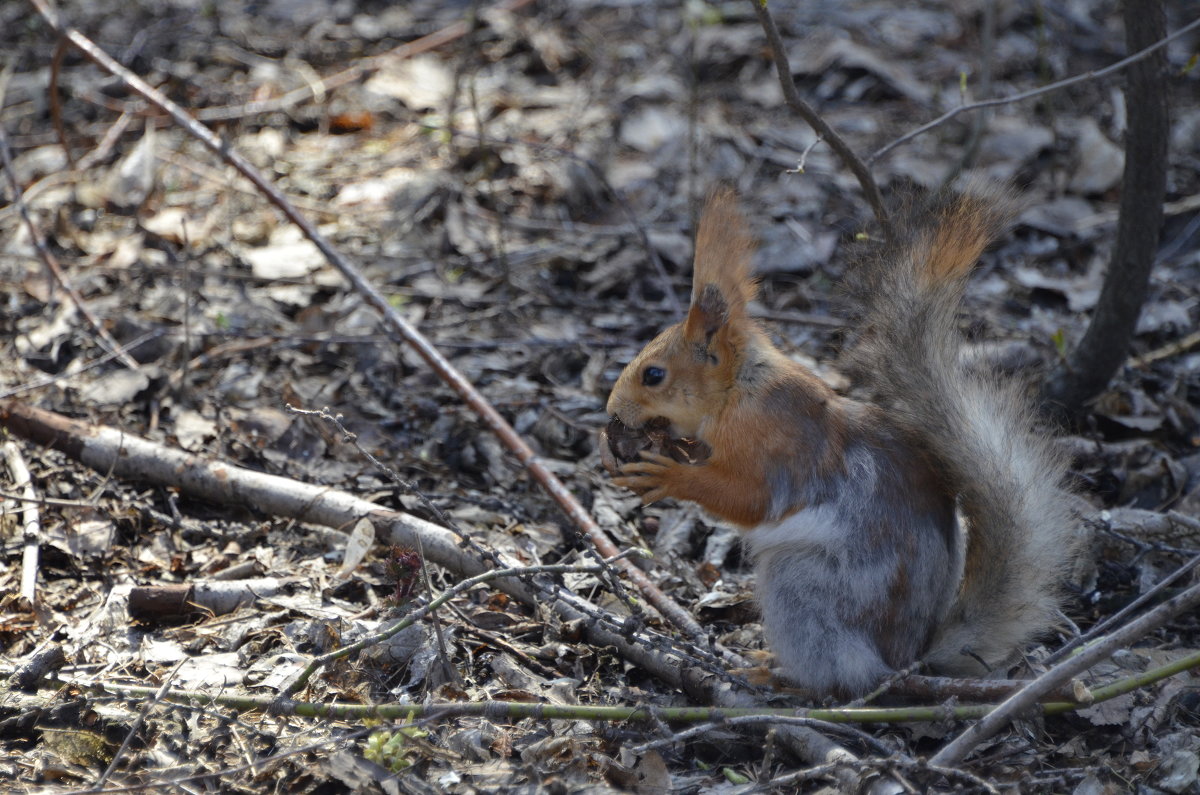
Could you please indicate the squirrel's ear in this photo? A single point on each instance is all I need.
(721, 282)
(709, 311)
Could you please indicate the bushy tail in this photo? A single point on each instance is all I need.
(975, 423)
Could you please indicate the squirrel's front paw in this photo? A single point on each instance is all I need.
(651, 477)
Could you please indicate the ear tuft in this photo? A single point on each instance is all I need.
(723, 250)
(710, 309)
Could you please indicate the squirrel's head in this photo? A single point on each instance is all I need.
(687, 372)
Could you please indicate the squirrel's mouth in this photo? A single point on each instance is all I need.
(621, 444)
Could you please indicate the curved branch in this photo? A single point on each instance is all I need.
(806, 112)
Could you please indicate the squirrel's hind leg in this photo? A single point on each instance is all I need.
(804, 602)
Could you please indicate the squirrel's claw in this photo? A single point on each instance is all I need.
(647, 477)
(650, 462)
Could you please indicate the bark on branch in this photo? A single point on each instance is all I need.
(1105, 344)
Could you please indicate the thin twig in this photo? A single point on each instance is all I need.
(412, 618)
(1131, 683)
(137, 724)
(46, 501)
(1031, 93)
(43, 250)
(1173, 348)
(803, 159)
(951, 773)
(806, 112)
(492, 418)
(67, 375)
(1129, 609)
(60, 50)
(987, 54)
(1025, 699)
(341, 710)
(449, 671)
(107, 143)
(702, 729)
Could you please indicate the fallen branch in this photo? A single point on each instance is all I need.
(176, 601)
(492, 418)
(31, 523)
(127, 456)
(1025, 699)
(943, 688)
(1173, 348)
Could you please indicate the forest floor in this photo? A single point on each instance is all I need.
(523, 191)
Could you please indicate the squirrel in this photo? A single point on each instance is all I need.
(926, 524)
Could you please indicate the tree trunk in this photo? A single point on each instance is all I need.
(1105, 345)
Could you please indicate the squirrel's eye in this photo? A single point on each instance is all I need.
(653, 376)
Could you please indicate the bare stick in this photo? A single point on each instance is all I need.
(724, 722)
(1173, 348)
(465, 389)
(939, 689)
(806, 112)
(1025, 699)
(637, 712)
(60, 50)
(1031, 93)
(31, 523)
(987, 45)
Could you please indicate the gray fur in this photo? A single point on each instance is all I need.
(977, 425)
(824, 577)
(868, 568)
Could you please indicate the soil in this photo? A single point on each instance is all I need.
(523, 190)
